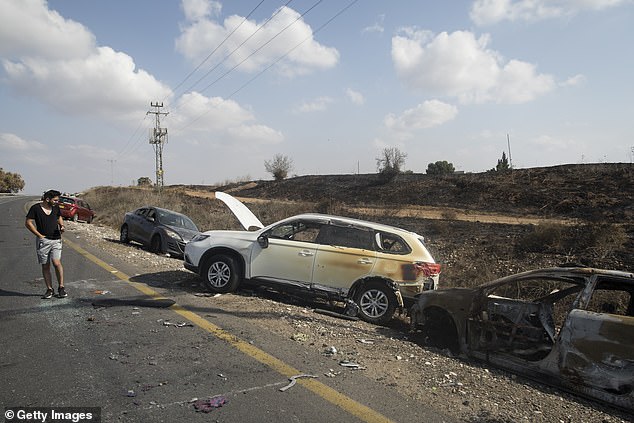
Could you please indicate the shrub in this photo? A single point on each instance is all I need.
(279, 166)
(440, 168)
(390, 163)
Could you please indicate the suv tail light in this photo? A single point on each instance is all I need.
(427, 269)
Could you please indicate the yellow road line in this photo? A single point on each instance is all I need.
(346, 403)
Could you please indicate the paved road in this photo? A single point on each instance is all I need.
(126, 360)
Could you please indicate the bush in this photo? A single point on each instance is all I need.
(440, 168)
(279, 167)
(390, 163)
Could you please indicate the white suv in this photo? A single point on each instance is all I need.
(375, 268)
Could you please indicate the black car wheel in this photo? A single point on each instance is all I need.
(377, 302)
(89, 220)
(220, 274)
(123, 235)
(156, 246)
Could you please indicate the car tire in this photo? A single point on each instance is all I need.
(123, 235)
(156, 245)
(220, 274)
(377, 302)
(89, 220)
(76, 217)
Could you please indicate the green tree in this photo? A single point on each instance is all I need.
(10, 182)
(440, 168)
(279, 166)
(144, 181)
(390, 163)
(503, 164)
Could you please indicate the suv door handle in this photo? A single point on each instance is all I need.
(364, 261)
(306, 253)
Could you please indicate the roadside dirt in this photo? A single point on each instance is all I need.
(391, 355)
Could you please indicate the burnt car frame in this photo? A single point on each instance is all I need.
(161, 230)
(570, 327)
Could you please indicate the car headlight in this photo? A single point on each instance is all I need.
(173, 234)
(199, 237)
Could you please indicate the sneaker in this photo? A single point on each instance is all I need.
(49, 293)
(61, 292)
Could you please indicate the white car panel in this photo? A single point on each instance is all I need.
(243, 214)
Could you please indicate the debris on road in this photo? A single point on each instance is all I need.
(293, 380)
(208, 405)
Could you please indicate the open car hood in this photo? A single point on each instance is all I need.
(243, 214)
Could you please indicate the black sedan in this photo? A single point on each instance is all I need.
(163, 231)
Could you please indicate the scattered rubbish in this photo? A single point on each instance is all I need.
(223, 377)
(366, 341)
(335, 314)
(206, 294)
(351, 365)
(91, 318)
(332, 373)
(331, 351)
(131, 393)
(398, 357)
(100, 292)
(155, 303)
(178, 325)
(300, 337)
(293, 380)
(207, 405)
(136, 312)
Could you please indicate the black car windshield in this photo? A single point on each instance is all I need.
(66, 200)
(175, 219)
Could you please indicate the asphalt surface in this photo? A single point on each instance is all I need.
(150, 364)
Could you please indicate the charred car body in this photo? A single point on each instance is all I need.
(569, 327)
(376, 268)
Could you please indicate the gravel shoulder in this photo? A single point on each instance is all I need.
(390, 355)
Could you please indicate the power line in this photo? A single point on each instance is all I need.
(278, 59)
(217, 47)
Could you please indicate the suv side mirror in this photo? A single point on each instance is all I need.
(263, 240)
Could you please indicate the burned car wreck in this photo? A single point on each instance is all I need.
(570, 327)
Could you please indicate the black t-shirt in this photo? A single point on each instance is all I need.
(46, 224)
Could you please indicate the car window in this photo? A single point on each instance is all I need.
(66, 200)
(392, 244)
(175, 219)
(297, 231)
(346, 236)
(611, 297)
(140, 212)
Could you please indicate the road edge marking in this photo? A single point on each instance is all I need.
(363, 412)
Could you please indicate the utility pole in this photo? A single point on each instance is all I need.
(158, 137)
(508, 141)
(112, 162)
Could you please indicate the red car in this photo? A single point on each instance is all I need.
(75, 209)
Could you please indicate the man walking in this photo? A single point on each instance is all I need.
(45, 221)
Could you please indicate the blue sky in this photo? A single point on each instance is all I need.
(328, 83)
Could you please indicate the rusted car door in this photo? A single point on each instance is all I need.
(596, 343)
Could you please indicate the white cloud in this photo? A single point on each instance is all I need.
(376, 27)
(574, 81)
(486, 12)
(29, 28)
(355, 97)
(426, 115)
(83, 79)
(219, 121)
(460, 65)
(317, 105)
(196, 10)
(264, 43)
(12, 142)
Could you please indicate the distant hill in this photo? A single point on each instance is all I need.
(587, 191)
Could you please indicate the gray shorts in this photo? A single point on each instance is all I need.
(48, 249)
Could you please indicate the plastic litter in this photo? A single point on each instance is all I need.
(293, 380)
(209, 404)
